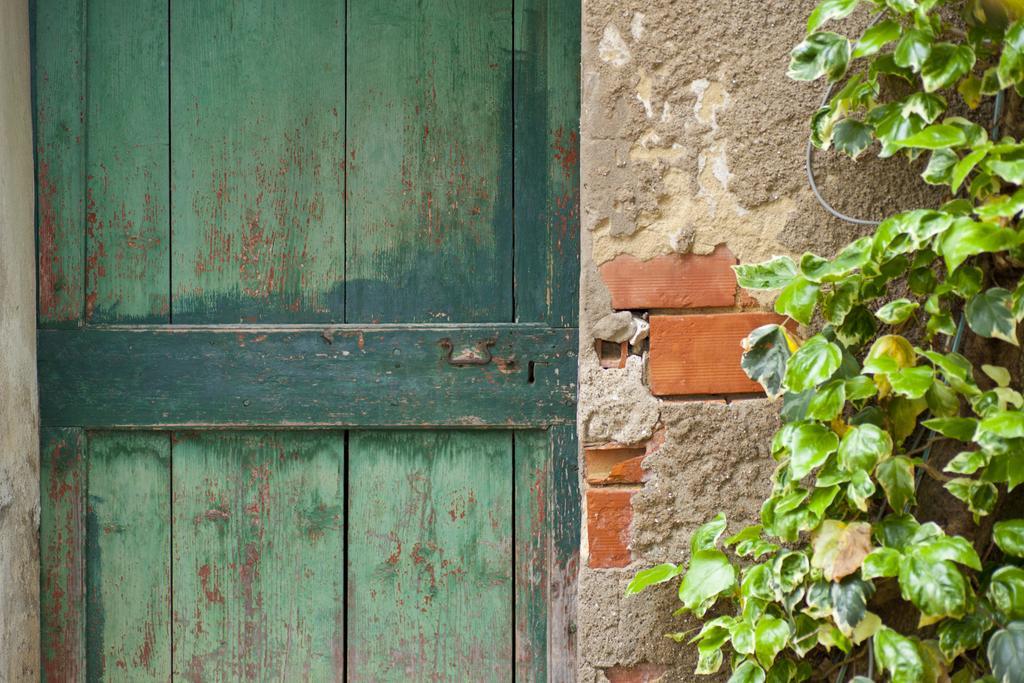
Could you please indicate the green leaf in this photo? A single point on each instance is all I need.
(770, 637)
(765, 353)
(1006, 592)
(942, 400)
(863, 447)
(998, 374)
(912, 382)
(773, 274)
(940, 167)
(876, 37)
(654, 575)
(1011, 62)
(960, 428)
(1006, 653)
(896, 312)
(1010, 170)
(710, 574)
(938, 589)
(980, 496)
(913, 49)
(945, 65)
(860, 489)
(964, 167)
(881, 562)
(789, 570)
(810, 446)
(958, 636)
(926, 105)
(821, 54)
(828, 10)
(896, 475)
(828, 401)
(860, 387)
(899, 656)
(852, 137)
(797, 300)
(1007, 424)
(967, 462)
(747, 672)
(953, 548)
(1009, 536)
(935, 136)
(849, 602)
(990, 314)
(706, 536)
(967, 238)
(812, 364)
(840, 548)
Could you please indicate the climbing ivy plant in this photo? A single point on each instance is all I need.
(881, 381)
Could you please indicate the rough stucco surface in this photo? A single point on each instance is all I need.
(19, 457)
(692, 136)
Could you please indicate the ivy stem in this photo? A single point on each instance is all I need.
(827, 673)
(928, 444)
(933, 473)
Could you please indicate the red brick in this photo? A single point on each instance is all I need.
(700, 354)
(614, 464)
(612, 354)
(672, 281)
(641, 673)
(609, 526)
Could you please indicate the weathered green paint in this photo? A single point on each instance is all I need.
(430, 556)
(429, 216)
(564, 555)
(62, 485)
(58, 84)
(127, 218)
(257, 153)
(370, 376)
(547, 183)
(258, 556)
(128, 552)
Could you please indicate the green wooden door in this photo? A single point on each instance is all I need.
(307, 285)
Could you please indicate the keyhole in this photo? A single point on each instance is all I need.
(529, 372)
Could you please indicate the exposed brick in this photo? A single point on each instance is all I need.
(609, 524)
(612, 354)
(672, 281)
(614, 464)
(641, 673)
(700, 354)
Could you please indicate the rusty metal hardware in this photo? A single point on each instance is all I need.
(468, 357)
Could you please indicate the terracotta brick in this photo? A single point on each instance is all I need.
(672, 281)
(609, 526)
(614, 464)
(641, 673)
(612, 354)
(700, 354)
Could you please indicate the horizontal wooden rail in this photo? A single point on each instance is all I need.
(307, 376)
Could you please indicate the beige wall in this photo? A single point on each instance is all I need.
(19, 456)
(692, 137)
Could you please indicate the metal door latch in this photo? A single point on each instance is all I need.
(479, 356)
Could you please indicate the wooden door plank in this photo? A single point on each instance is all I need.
(128, 573)
(258, 556)
(547, 183)
(257, 142)
(429, 230)
(308, 376)
(128, 191)
(62, 487)
(564, 554)
(429, 556)
(58, 84)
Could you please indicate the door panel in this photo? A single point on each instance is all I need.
(430, 154)
(257, 156)
(430, 555)
(128, 551)
(307, 346)
(258, 556)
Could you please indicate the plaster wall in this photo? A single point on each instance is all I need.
(692, 137)
(19, 456)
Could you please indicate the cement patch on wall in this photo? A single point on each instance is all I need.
(693, 137)
(19, 445)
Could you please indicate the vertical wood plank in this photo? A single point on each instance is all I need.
(128, 579)
(547, 184)
(258, 556)
(429, 556)
(128, 191)
(564, 556)
(62, 487)
(533, 541)
(257, 137)
(429, 229)
(58, 84)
